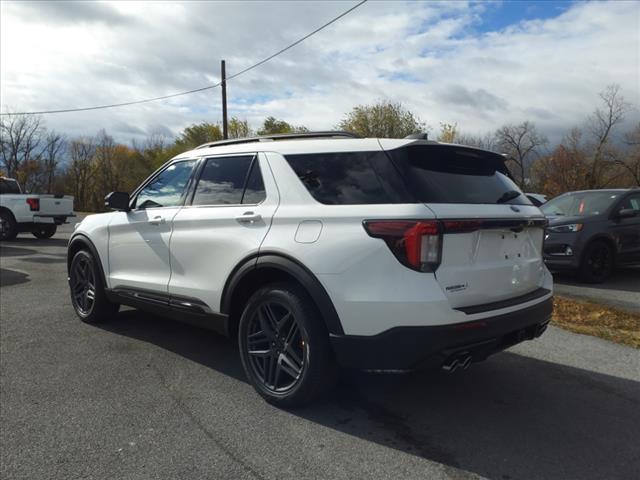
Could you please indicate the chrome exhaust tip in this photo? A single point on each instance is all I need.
(461, 362)
(466, 362)
(452, 366)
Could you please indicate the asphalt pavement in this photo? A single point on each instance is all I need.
(141, 397)
(621, 290)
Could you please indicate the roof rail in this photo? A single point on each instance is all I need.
(280, 136)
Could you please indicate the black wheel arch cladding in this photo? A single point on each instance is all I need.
(296, 270)
(82, 242)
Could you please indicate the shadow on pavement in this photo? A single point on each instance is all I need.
(509, 417)
(627, 279)
(6, 251)
(39, 242)
(45, 260)
(12, 277)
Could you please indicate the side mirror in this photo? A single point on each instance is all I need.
(627, 213)
(117, 201)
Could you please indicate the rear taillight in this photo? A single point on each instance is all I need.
(34, 204)
(415, 243)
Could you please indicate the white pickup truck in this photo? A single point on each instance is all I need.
(26, 212)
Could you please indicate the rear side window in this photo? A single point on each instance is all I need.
(350, 178)
(254, 191)
(230, 181)
(444, 174)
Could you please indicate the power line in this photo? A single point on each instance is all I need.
(84, 109)
(164, 97)
(298, 41)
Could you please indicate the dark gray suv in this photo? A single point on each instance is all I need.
(592, 231)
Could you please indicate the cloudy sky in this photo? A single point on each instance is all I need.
(477, 64)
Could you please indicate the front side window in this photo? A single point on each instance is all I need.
(167, 188)
(230, 181)
(632, 202)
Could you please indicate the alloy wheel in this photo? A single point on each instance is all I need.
(599, 261)
(83, 285)
(276, 347)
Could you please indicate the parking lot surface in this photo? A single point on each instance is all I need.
(141, 397)
(621, 290)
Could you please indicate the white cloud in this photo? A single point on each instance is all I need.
(434, 57)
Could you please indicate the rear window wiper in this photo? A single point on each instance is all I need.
(508, 195)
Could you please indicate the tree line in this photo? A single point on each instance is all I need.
(595, 154)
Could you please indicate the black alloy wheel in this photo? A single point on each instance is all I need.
(276, 347)
(88, 297)
(83, 285)
(598, 262)
(284, 346)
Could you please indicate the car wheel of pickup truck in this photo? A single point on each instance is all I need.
(87, 290)
(46, 231)
(8, 226)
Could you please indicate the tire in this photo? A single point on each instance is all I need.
(46, 231)
(597, 262)
(87, 290)
(291, 362)
(8, 226)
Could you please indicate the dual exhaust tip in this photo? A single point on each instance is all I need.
(460, 362)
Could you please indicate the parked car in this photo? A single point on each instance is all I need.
(536, 198)
(322, 250)
(593, 231)
(27, 212)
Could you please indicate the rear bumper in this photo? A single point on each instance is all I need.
(408, 348)
(57, 219)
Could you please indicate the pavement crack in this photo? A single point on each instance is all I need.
(191, 416)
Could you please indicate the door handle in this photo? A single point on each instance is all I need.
(249, 217)
(157, 220)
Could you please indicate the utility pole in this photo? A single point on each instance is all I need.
(223, 76)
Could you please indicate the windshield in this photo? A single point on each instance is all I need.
(578, 204)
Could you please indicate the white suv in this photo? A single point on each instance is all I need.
(322, 250)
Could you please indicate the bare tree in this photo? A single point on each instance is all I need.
(631, 160)
(486, 141)
(522, 144)
(82, 152)
(601, 125)
(20, 141)
(55, 146)
(106, 172)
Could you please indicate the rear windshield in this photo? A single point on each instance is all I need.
(444, 174)
(577, 204)
(9, 186)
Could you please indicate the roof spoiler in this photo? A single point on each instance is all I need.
(418, 136)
